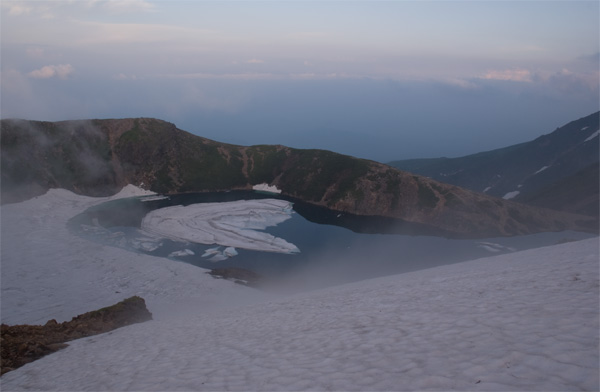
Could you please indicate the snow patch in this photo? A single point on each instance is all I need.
(487, 189)
(593, 135)
(542, 169)
(584, 128)
(131, 191)
(266, 188)
(511, 195)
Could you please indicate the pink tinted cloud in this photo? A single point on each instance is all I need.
(61, 71)
(515, 75)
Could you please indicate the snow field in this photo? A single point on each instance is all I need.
(515, 322)
(47, 272)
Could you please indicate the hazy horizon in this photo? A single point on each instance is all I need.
(377, 80)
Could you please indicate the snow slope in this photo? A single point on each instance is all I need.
(521, 321)
(49, 273)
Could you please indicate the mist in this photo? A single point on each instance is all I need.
(73, 155)
(375, 255)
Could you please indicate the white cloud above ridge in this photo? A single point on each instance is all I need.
(514, 75)
(122, 49)
(57, 8)
(264, 76)
(193, 45)
(61, 71)
(17, 9)
(125, 6)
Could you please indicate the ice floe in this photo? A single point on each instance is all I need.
(230, 251)
(231, 224)
(182, 253)
(218, 254)
(494, 247)
(154, 198)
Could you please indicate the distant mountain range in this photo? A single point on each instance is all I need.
(558, 170)
(98, 157)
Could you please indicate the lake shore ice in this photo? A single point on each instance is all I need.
(522, 321)
(264, 187)
(230, 224)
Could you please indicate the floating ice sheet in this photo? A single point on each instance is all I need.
(231, 224)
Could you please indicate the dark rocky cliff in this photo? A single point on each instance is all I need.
(98, 157)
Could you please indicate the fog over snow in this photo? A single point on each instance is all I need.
(520, 321)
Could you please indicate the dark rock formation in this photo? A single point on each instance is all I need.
(238, 275)
(21, 344)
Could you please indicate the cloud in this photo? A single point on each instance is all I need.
(123, 76)
(461, 83)
(17, 9)
(255, 61)
(35, 52)
(124, 6)
(593, 58)
(308, 37)
(568, 82)
(61, 71)
(50, 9)
(515, 75)
(264, 76)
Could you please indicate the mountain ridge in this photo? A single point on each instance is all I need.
(98, 157)
(562, 161)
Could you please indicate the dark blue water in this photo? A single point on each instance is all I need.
(333, 247)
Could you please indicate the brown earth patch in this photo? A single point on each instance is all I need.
(21, 344)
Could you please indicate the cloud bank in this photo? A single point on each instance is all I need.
(61, 71)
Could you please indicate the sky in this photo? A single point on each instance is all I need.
(381, 80)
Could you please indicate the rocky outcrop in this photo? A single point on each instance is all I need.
(237, 275)
(156, 155)
(21, 344)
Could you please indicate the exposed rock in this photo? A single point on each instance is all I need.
(237, 275)
(21, 344)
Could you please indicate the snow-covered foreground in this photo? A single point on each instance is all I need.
(47, 272)
(520, 321)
